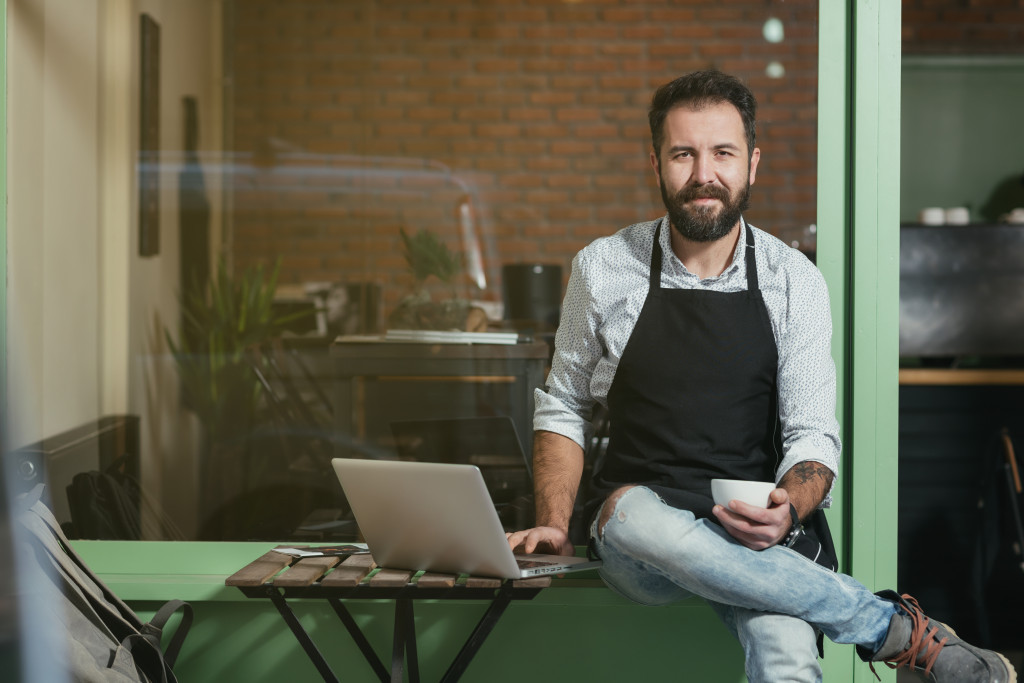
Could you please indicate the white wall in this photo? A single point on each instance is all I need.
(85, 312)
(960, 132)
(52, 215)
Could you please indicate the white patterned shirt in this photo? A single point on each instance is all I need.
(604, 297)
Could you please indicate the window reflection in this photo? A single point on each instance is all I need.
(310, 136)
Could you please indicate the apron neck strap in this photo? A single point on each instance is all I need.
(752, 285)
(655, 277)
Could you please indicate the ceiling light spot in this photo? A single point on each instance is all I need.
(773, 30)
(775, 70)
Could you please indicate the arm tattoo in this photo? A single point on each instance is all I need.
(807, 483)
(808, 471)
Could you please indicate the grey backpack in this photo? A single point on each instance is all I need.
(105, 640)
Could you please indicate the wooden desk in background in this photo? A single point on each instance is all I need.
(381, 382)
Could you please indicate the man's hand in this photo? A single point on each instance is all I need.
(544, 539)
(757, 528)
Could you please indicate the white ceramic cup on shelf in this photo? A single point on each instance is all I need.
(932, 215)
(754, 493)
(958, 215)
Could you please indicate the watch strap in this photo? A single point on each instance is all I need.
(796, 530)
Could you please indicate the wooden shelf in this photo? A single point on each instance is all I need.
(960, 377)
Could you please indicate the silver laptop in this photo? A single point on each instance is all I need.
(437, 517)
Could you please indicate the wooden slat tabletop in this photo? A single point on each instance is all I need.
(259, 571)
(432, 580)
(352, 571)
(306, 572)
(391, 578)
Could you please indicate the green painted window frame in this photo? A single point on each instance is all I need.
(3, 220)
(858, 189)
(858, 253)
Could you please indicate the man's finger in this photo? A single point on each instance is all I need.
(523, 539)
(515, 538)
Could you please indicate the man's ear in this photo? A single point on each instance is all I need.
(655, 165)
(754, 158)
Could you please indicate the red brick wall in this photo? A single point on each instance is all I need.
(536, 108)
(957, 27)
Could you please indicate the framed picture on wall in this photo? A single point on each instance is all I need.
(149, 137)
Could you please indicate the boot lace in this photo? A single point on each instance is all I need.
(924, 643)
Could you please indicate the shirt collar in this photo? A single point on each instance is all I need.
(739, 255)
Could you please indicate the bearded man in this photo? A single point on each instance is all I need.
(708, 341)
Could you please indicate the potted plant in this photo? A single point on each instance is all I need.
(427, 257)
(222, 324)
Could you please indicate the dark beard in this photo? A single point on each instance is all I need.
(702, 224)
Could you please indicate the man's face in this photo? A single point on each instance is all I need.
(703, 170)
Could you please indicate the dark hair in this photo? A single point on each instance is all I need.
(698, 90)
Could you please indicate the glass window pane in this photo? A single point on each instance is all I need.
(342, 170)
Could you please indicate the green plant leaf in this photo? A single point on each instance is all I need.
(219, 324)
(426, 255)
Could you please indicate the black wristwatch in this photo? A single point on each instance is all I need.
(795, 531)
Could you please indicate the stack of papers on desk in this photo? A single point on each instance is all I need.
(444, 337)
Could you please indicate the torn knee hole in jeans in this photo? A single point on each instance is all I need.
(608, 508)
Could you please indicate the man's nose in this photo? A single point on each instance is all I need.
(703, 172)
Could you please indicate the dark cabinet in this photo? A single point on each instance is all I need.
(948, 439)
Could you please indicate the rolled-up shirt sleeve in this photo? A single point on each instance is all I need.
(807, 375)
(565, 405)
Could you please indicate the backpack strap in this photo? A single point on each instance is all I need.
(155, 627)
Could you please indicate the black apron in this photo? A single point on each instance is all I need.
(694, 398)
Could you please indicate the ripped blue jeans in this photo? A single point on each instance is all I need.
(774, 601)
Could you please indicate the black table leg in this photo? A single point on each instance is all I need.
(304, 640)
(405, 641)
(360, 640)
(401, 634)
(483, 629)
(404, 654)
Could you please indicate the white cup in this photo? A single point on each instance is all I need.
(933, 215)
(1016, 216)
(751, 492)
(958, 215)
